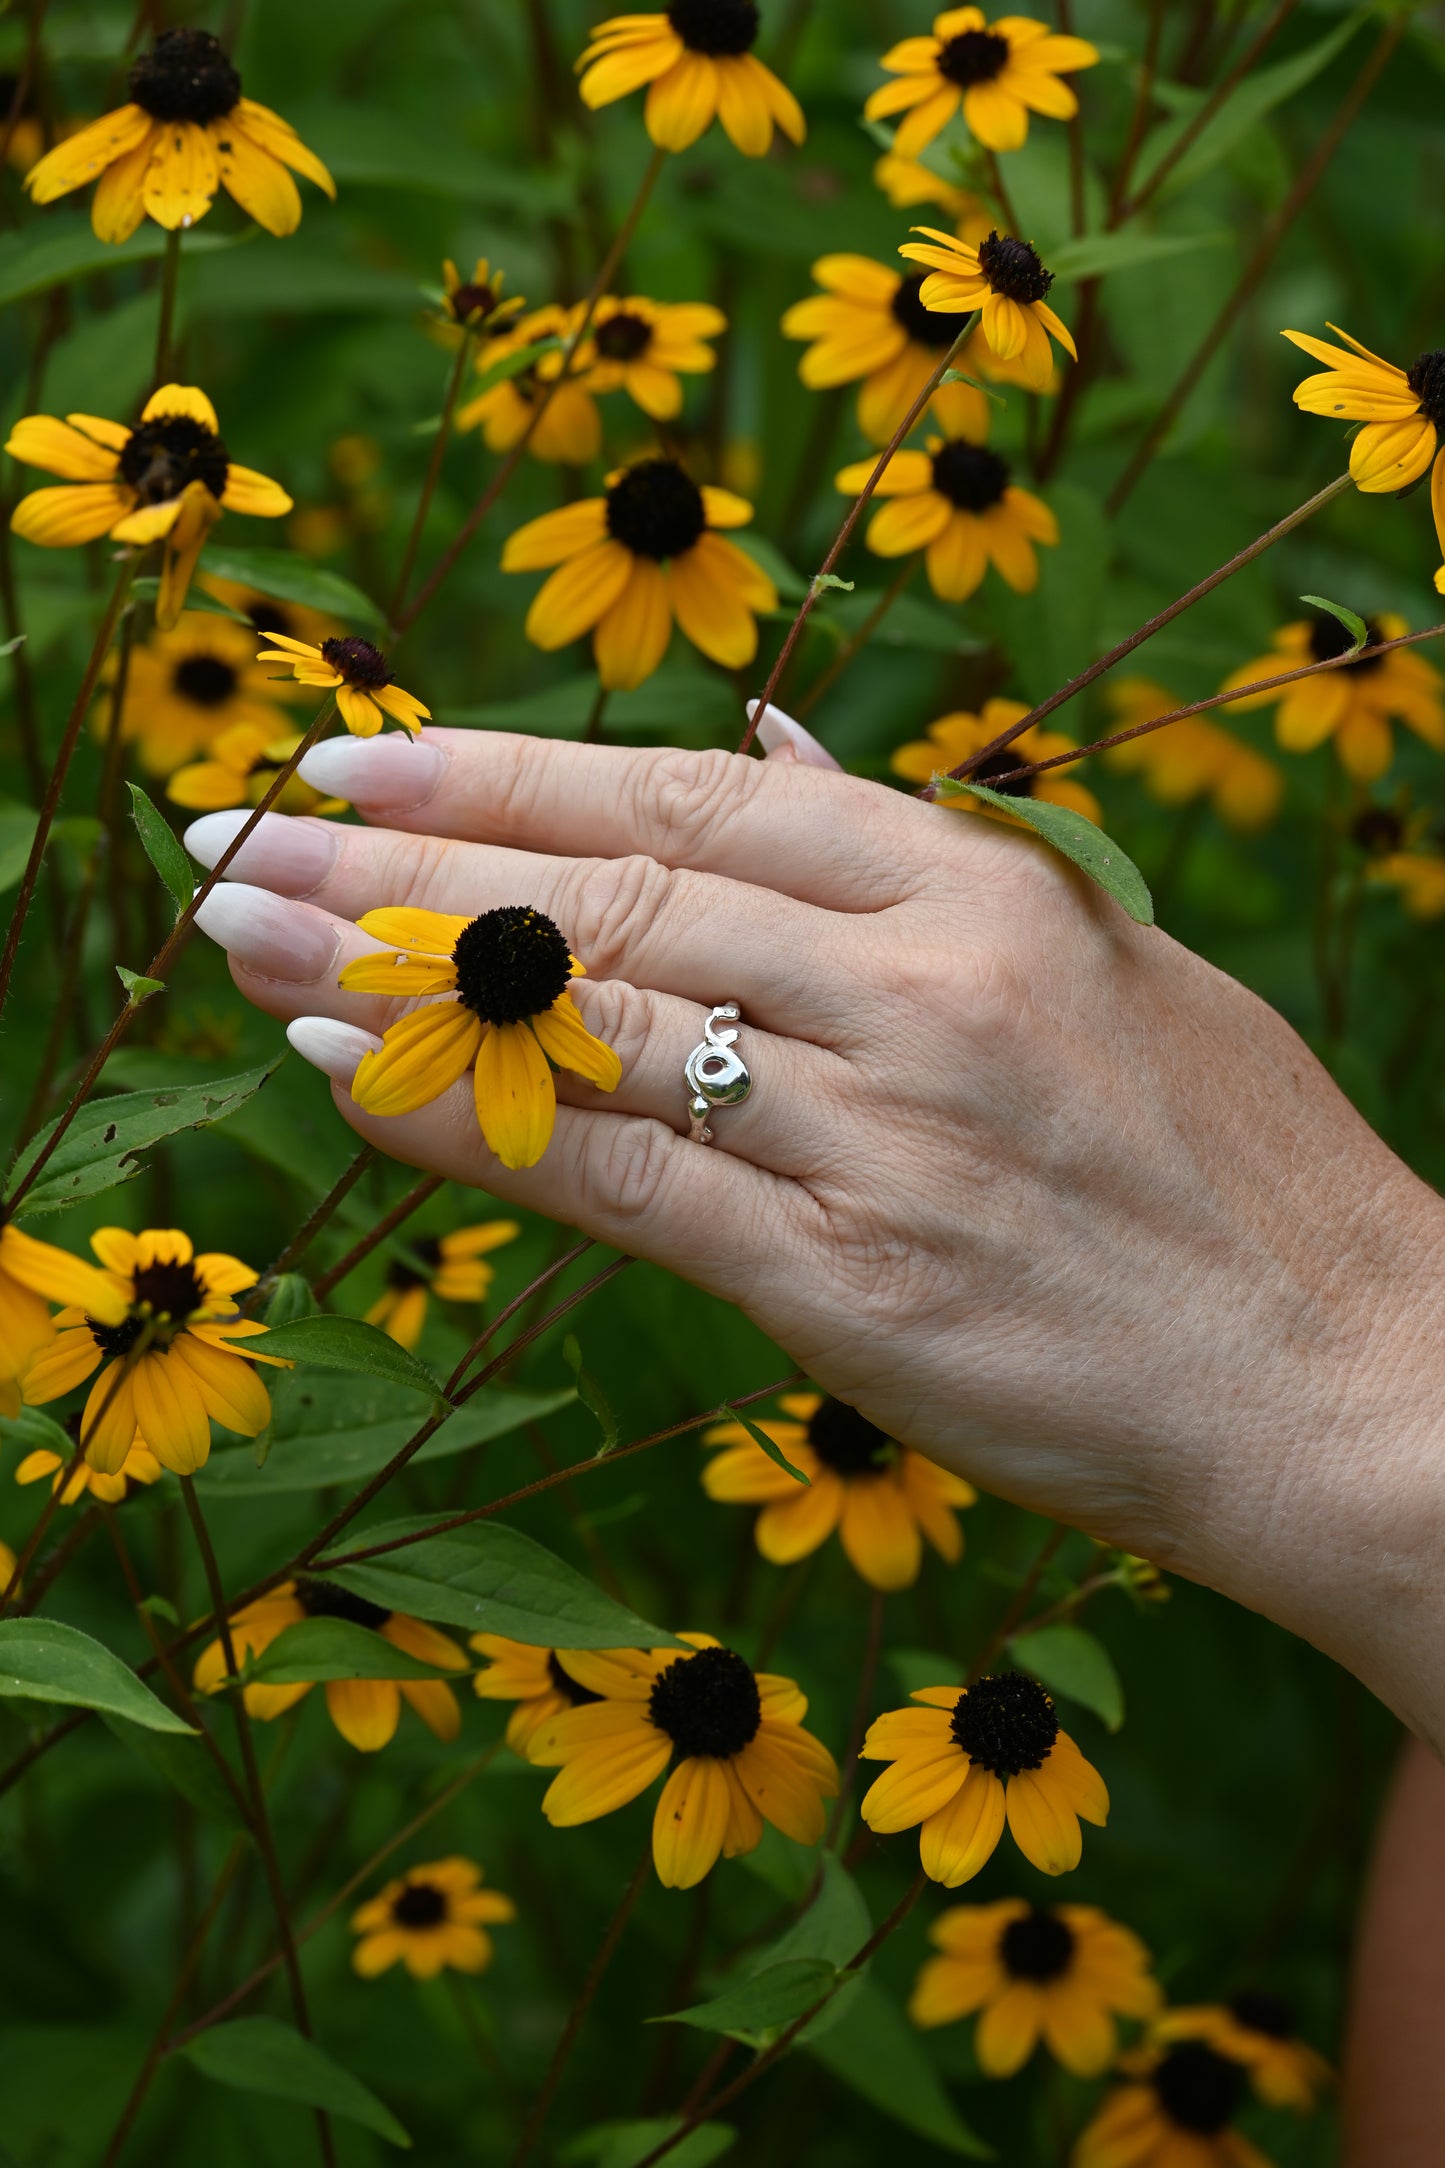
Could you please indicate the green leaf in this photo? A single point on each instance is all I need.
(765, 1444)
(147, 587)
(875, 2052)
(182, 1763)
(510, 365)
(62, 247)
(34, 1431)
(1072, 1662)
(916, 1668)
(18, 824)
(1353, 623)
(757, 2009)
(261, 2055)
(623, 2145)
(911, 621)
(103, 1144)
(159, 842)
(9, 647)
(592, 1397)
(315, 1649)
(823, 581)
(786, 577)
(315, 1460)
(833, 1929)
(43, 1660)
(348, 1343)
(490, 1578)
(1094, 255)
(290, 578)
(291, 1299)
(1089, 848)
(138, 988)
(380, 148)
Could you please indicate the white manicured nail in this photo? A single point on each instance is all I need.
(333, 1048)
(291, 856)
(394, 770)
(270, 936)
(781, 736)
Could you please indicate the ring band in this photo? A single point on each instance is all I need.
(716, 1076)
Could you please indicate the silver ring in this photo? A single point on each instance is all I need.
(716, 1077)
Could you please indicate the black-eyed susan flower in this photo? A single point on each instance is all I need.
(479, 301)
(972, 1757)
(907, 182)
(33, 1275)
(244, 762)
(879, 1497)
(366, 1712)
(535, 1679)
(140, 1466)
(568, 429)
(452, 1267)
(431, 1919)
(1418, 876)
(1180, 2108)
(1056, 1973)
(698, 58)
(186, 133)
(1256, 2029)
(184, 687)
(645, 347)
(999, 73)
(732, 1738)
(177, 1356)
(869, 327)
(1356, 704)
(956, 501)
(167, 480)
(509, 970)
(633, 561)
(1403, 411)
(366, 693)
(954, 738)
(1192, 758)
(1003, 279)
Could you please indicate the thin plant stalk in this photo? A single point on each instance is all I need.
(850, 649)
(867, 1675)
(1190, 134)
(1017, 1607)
(414, 1199)
(71, 1468)
(166, 323)
(330, 1204)
(434, 469)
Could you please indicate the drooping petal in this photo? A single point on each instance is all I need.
(366, 1712)
(962, 1837)
(183, 175)
(565, 1038)
(87, 153)
(255, 179)
(682, 103)
(631, 637)
(515, 1097)
(579, 594)
(690, 1822)
(420, 1057)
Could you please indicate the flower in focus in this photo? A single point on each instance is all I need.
(33, 1275)
(186, 132)
(698, 57)
(366, 1712)
(1192, 758)
(510, 970)
(167, 480)
(1356, 704)
(245, 761)
(185, 687)
(953, 739)
(907, 182)
(535, 1679)
(447, 1266)
(869, 324)
(1180, 2108)
(568, 430)
(972, 1757)
(357, 673)
(956, 501)
(999, 75)
(1004, 279)
(172, 1356)
(139, 1466)
(643, 347)
(734, 1738)
(632, 561)
(1256, 2029)
(881, 1498)
(1061, 1973)
(432, 1918)
(473, 302)
(1403, 411)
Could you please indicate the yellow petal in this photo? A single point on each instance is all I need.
(420, 1058)
(568, 1042)
(515, 1097)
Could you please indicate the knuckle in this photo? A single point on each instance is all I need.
(636, 1167)
(625, 1016)
(422, 869)
(688, 793)
(617, 901)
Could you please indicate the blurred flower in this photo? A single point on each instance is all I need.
(1355, 704)
(139, 1466)
(32, 1275)
(955, 738)
(318, 530)
(244, 762)
(634, 560)
(1420, 878)
(535, 1679)
(972, 1756)
(8, 1563)
(354, 458)
(699, 61)
(478, 300)
(165, 481)
(171, 1358)
(907, 182)
(366, 1712)
(186, 133)
(734, 1738)
(1006, 281)
(1062, 1972)
(447, 1266)
(569, 429)
(270, 615)
(1403, 411)
(1181, 2108)
(881, 1498)
(509, 970)
(356, 671)
(1139, 1577)
(1258, 2030)
(1192, 758)
(27, 136)
(432, 1918)
(998, 75)
(642, 346)
(956, 501)
(186, 686)
(870, 324)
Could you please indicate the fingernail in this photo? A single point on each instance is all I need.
(333, 1048)
(266, 934)
(290, 856)
(781, 735)
(394, 770)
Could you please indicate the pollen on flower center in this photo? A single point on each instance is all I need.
(1038, 1947)
(420, 1904)
(1328, 638)
(204, 680)
(1198, 2089)
(655, 510)
(707, 1704)
(164, 456)
(969, 475)
(511, 963)
(578, 1694)
(926, 326)
(715, 26)
(323, 1599)
(1013, 268)
(1426, 379)
(358, 662)
(1264, 2013)
(171, 1291)
(847, 1442)
(185, 76)
(975, 56)
(1006, 1724)
(623, 337)
(116, 1340)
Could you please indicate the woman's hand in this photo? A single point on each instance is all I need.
(1043, 1194)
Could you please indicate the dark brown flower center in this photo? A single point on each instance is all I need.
(1328, 638)
(1262, 2012)
(272, 617)
(715, 26)
(926, 326)
(975, 56)
(970, 475)
(623, 337)
(575, 1692)
(185, 76)
(998, 767)
(707, 1704)
(163, 457)
(1426, 379)
(172, 1291)
(511, 964)
(1013, 268)
(419, 1905)
(114, 1340)
(1006, 1723)
(323, 1599)
(1379, 830)
(1038, 1947)
(847, 1442)
(656, 510)
(402, 1275)
(205, 680)
(1198, 2089)
(358, 662)
(470, 304)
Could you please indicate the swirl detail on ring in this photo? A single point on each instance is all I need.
(716, 1075)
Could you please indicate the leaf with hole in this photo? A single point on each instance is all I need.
(41, 1659)
(1069, 832)
(261, 2055)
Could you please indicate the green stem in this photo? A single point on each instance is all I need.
(433, 474)
(851, 649)
(414, 1199)
(165, 327)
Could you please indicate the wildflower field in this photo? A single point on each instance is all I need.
(463, 1689)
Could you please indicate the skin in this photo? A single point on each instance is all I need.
(1043, 1194)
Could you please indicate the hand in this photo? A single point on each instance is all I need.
(1043, 1194)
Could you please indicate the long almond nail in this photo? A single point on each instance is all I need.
(394, 770)
(287, 855)
(332, 1047)
(270, 936)
(781, 735)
